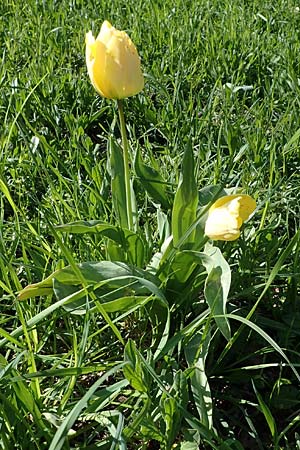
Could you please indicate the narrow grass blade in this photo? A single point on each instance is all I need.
(61, 434)
(266, 412)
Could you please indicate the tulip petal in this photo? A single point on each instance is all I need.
(226, 216)
(90, 53)
(222, 225)
(103, 72)
(113, 63)
(106, 32)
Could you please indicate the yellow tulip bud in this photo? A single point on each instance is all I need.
(226, 216)
(113, 63)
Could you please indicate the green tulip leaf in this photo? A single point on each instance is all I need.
(217, 283)
(111, 301)
(196, 350)
(107, 276)
(163, 225)
(210, 193)
(152, 181)
(128, 241)
(116, 287)
(172, 404)
(185, 205)
(217, 287)
(134, 370)
(118, 190)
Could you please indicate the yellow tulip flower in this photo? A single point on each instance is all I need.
(113, 63)
(226, 216)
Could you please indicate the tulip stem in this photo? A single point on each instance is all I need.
(126, 165)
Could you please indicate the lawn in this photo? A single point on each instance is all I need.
(113, 335)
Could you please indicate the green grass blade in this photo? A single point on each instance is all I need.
(61, 434)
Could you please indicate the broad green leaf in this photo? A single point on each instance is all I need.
(111, 300)
(115, 274)
(141, 421)
(112, 275)
(217, 283)
(186, 445)
(172, 406)
(163, 225)
(214, 296)
(217, 287)
(183, 266)
(185, 205)
(114, 251)
(129, 241)
(170, 415)
(196, 350)
(208, 435)
(78, 295)
(117, 287)
(118, 189)
(133, 368)
(210, 193)
(152, 181)
(191, 440)
(36, 289)
(95, 226)
(150, 431)
(182, 277)
(126, 303)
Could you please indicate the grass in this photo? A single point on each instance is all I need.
(224, 75)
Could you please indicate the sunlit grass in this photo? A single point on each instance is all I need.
(224, 75)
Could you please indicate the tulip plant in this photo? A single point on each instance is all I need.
(181, 288)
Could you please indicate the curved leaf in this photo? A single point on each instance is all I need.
(152, 181)
(129, 241)
(184, 212)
